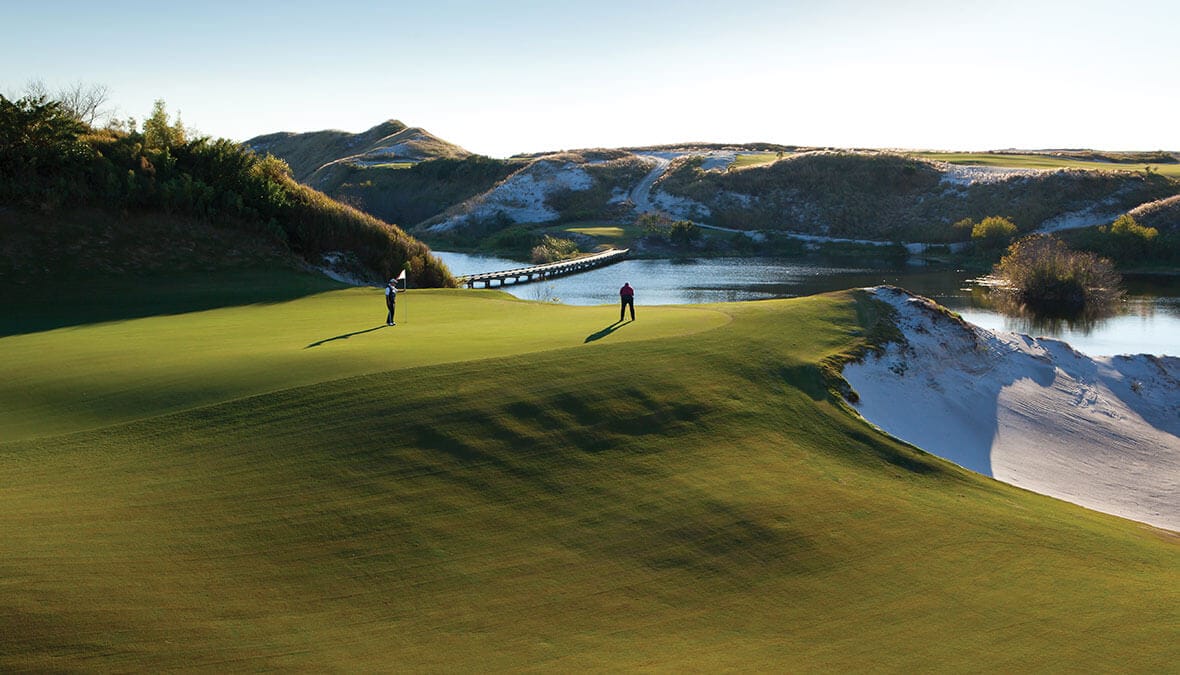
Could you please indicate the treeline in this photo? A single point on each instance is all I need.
(51, 161)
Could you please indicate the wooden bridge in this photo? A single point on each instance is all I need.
(546, 271)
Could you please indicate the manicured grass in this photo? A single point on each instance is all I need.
(1040, 162)
(63, 380)
(755, 159)
(85, 299)
(391, 165)
(609, 231)
(483, 488)
(611, 234)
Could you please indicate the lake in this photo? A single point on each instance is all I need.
(1148, 322)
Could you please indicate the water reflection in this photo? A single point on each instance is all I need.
(1146, 321)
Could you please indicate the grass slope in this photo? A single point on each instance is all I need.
(496, 484)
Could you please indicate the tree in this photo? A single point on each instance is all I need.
(41, 156)
(158, 133)
(85, 102)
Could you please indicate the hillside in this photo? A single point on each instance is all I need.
(312, 155)
(396, 173)
(1164, 214)
(76, 200)
(461, 200)
(837, 194)
(486, 487)
(886, 196)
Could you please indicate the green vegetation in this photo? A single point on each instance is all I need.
(612, 173)
(743, 160)
(1093, 162)
(1131, 245)
(1163, 214)
(416, 193)
(309, 153)
(595, 235)
(894, 197)
(286, 486)
(393, 165)
(551, 249)
(993, 232)
(1044, 275)
(50, 163)
(603, 231)
(660, 229)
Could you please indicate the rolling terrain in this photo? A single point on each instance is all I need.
(503, 485)
(901, 195)
(312, 155)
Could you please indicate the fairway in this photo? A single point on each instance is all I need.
(1041, 161)
(743, 160)
(496, 484)
(75, 378)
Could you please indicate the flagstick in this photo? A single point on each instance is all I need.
(406, 278)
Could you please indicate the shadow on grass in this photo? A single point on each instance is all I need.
(606, 331)
(77, 302)
(345, 336)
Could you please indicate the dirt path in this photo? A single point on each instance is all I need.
(641, 193)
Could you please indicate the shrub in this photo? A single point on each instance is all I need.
(517, 239)
(1129, 243)
(1129, 239)
(552, 249)
(1044, 275)
(993, 232)
(50, 160)
(683, 233)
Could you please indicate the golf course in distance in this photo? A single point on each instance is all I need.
(269, 480)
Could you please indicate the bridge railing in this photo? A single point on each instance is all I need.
(546, 270)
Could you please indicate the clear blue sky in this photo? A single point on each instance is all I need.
(500, 78)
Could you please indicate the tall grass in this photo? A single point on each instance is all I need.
(1046, 276)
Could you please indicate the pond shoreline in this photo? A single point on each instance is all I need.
(1146, 323)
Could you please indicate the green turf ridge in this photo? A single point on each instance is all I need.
(1041, 161)
(743, 160)
(86, 376)
(681, 493)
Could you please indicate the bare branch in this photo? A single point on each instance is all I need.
(86, 102)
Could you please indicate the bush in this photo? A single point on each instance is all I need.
(1129, 239)
(1044, 275)
(49, 160)
(1129, 243)
(993, 232)
(552, 249)
(516, 240)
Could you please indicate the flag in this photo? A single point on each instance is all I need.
(401, 277)
(400, 280)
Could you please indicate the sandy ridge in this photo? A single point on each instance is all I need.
(1103, 432)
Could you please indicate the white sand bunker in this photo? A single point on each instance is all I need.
(1103, 433)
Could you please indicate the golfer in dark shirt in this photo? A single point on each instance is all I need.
(627, 298)
(390, 300)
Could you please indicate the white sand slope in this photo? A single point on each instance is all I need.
(1103, 432)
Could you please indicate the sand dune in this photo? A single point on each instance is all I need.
(1103, 433)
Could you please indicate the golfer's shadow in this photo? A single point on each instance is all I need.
(606, 331)
(345, 336)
